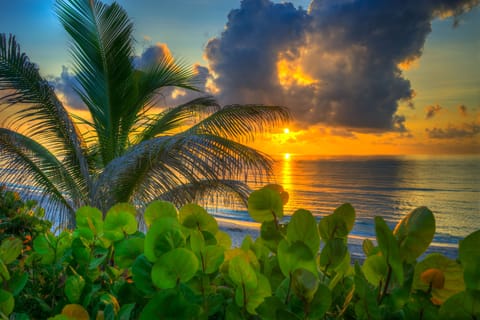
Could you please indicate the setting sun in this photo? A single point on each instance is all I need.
(287, 156)
(286, 131)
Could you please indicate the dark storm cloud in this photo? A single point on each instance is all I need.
(468, 130)
(64, 85)
(350, 51)
(432, 110)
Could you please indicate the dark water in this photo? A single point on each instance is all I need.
(385, 186)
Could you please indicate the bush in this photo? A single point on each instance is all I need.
(184, 268)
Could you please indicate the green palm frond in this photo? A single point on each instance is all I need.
(30, 161)
(176, 117)
(34, 109)
(243, 121)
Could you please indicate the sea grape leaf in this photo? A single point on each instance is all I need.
(119, 221)
(169, 304)
(7, 302)
(75, 312)
(254, 296)
(366, 306)
(320, 303)
(368, 247)
(242, 273)
(164, 235)
(294, 256)
(10, 249)
(452, 273)
(304, 284)
(89, 218)
(265, 205)
(175, 266)
(212, 257)
(268, 308)
(389, 247)
(223, 239)
(338, 224)
(157, 209)
(142, 274)
(469, 256)
(74, 288)
(464, 305)
(415, 233)
(197, 241)
(333, 253)
(44, 245)
(127, 250)
(195, 217)
(303, 227)
(346, 213)
(278, 188)
(375, 269)
(126, 311)
(17, 282)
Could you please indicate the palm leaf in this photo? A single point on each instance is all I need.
(32, 164)
(34, 109)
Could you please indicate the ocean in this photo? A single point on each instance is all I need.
(386, 186)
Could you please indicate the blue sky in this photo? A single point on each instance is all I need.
(336, 65)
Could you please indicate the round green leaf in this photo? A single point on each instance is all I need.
(223, 239)
(469, 255)
(415, 233)
(7, 302)
(303, 227)
(375, 269)
(333, 253)
(295, 256)
(142, 274)
(321, 302)
(242, 273)
(44, 245)
(127, 250)
(346, 213)
(17, 282)
(158, 209)
(278, 188)
(10, 249)
(462, 306)
(389, 247)
(254, 296)
(304, 284)
(74, 288)
(164, 235)
(212, 257)
(195, 217)
(169, 304)
(178, 265)
(451, 270)
(265, 205)
(120, 220)
(89, 218)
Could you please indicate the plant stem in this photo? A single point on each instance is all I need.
(387, 283)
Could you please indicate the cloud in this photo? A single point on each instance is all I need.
(339, 63)
(467, 130)
(64, 86)
(462, 109)
(431, 111)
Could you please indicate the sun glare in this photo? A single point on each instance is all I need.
(287, 156)
(286, 131)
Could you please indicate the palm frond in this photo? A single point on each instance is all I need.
(243, 122)
(176, 117)
(34, 109)
(32, 164)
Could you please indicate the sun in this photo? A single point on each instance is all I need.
(286, 131)
(287, 156)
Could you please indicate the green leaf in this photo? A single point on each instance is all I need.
(44, 245)
(127, 250)
(90, 218)
(375, 269)
(304, 284)
(119, 221)
(338, 224)
(295, 256)
(7, 302)
(389, 247)
(278, 188)
(178, 265)
(265, 205)
(157, 209)
(212, 257)
(4, 273)
(169, 304)
(195, 217)
(303, 227)
(223, 239)
(333, 253)
(469, 256)
(254, 296)
(242, 273)
(74, 288)
(415, 233)
(142, 274)
(368, 247)
(320, 303)
(462, 306)
(346, 213)
(17, 282)
(451, 270)
(10, 249)
(75, 312)
(164, 235)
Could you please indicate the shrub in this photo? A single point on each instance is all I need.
(184, 268)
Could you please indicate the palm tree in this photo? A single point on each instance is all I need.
(125, 151)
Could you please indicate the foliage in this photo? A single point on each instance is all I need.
(184, 268)
(126, 151)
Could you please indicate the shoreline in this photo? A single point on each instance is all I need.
(238, 230)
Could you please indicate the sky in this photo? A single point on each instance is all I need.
(360, 77)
